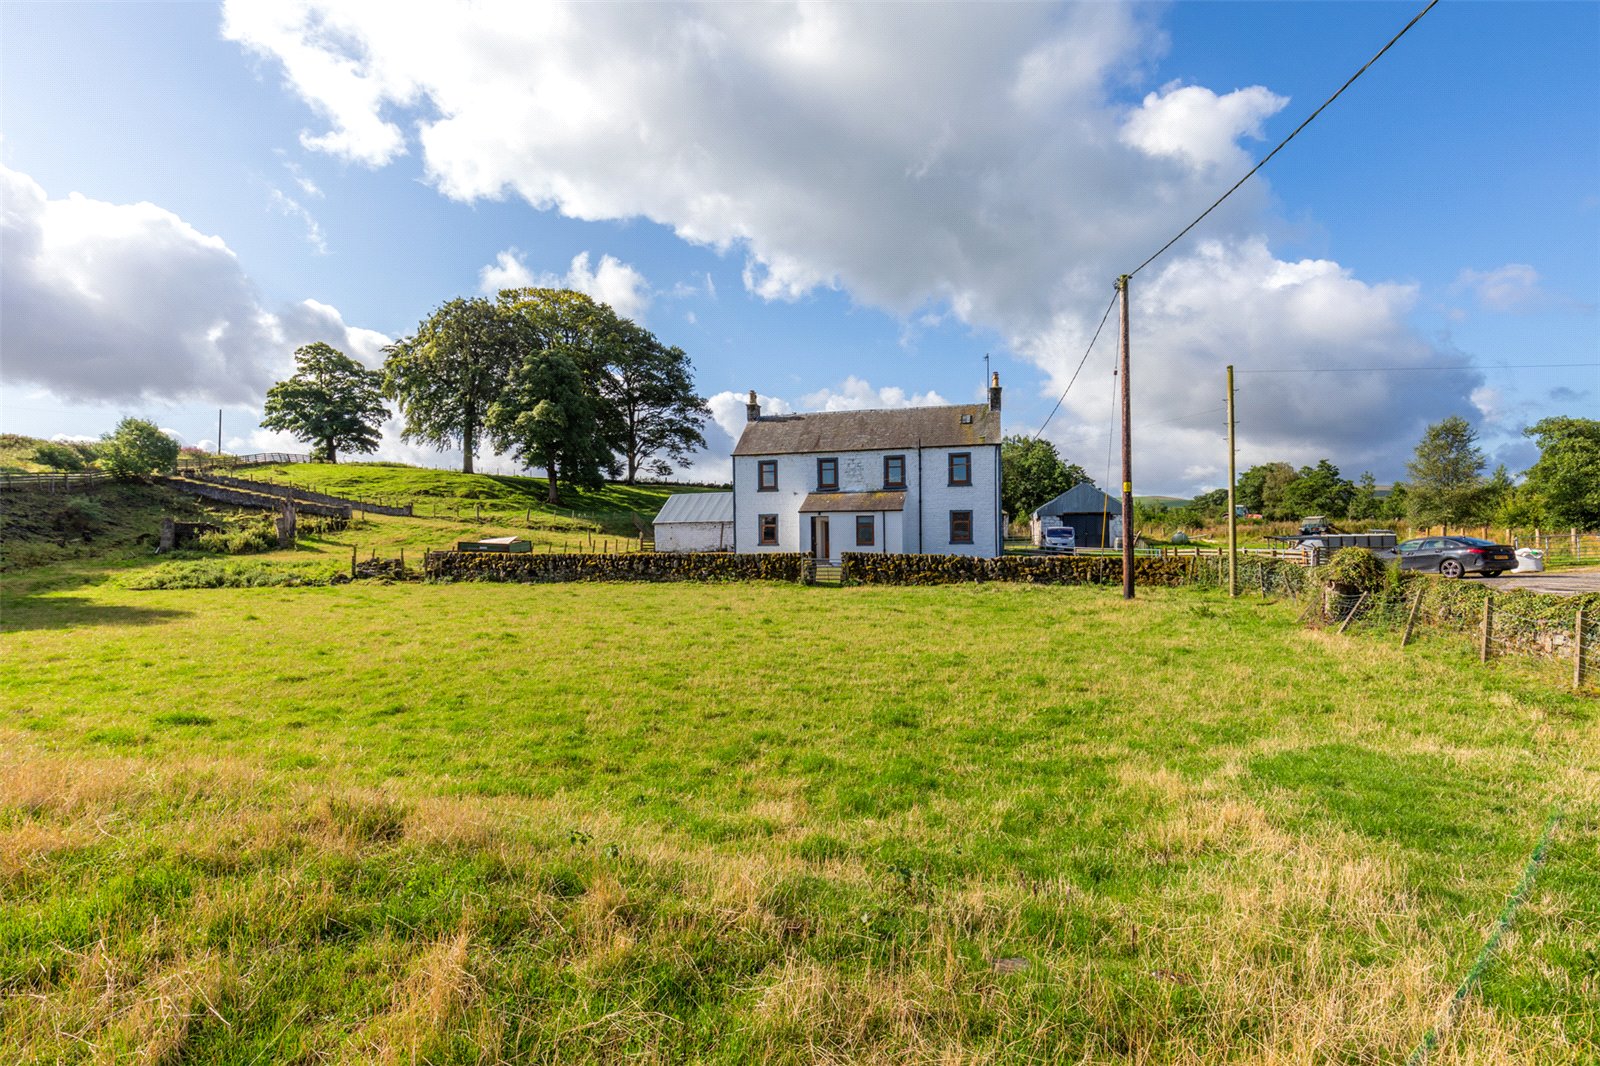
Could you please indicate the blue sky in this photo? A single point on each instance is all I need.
(835, 205)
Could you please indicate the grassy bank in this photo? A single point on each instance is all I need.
(770, 823)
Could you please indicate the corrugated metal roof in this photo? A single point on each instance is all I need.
(853, 501)
(1080, 499)
(697, 507)
(862, 431)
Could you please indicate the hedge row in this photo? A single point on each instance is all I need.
(861, 568)
(632, 566)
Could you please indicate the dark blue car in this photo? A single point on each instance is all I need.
(1456, 556)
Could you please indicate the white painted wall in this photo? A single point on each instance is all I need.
(863, 472)
(694, 536)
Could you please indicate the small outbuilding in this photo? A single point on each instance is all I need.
(1095, 518)
(695, 522)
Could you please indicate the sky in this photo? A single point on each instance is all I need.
(838, 206)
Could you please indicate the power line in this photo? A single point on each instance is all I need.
(1285, 141)
(1085, 359)
(1407, 369)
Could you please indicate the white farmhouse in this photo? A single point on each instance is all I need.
(916, 480)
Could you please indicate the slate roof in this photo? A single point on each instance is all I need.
(853, 501)
(697, 507)
(865, 431)
(1080, 499)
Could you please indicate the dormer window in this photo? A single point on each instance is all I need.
(827, 475)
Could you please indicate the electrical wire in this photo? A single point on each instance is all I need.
(1285, 141)
(1075, 373)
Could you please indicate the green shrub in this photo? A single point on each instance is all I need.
(255, 537)
(58, 456)
(137, 448)
(1355, 568)
(218, 574)
(80, 515)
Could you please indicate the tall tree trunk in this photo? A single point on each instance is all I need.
(550, 472)
(633, 467)
(469, 444)
(333, 452)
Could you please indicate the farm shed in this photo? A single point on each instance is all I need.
(1095, 518)
(695, 522)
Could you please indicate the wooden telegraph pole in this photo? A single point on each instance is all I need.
(1127, 453)
(1233, 513)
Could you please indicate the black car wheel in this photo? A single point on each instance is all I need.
(1450, 568)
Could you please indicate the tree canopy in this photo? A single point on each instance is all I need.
(546, 417)
(448, 374)
(331, 401)
(1447, 482)
(1566, 479)
(1032, 474)
(473, 357)
(137, 448)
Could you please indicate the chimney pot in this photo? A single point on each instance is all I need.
(994, 392)
(752, 408)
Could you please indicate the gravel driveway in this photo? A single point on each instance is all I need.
(1559, 583)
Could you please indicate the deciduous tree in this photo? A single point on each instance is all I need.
(1447, 484)
(137, 448)
(546, 417)
(448, 374)
(1032, 474)
(1567, 475)
(331, 401)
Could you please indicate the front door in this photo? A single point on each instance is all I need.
(819, 537)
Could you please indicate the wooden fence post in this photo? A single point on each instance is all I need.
(1411, 618)
(1488, 628)
(1577, 652)
(1351, 616)
(1574, 542)
(352, 561)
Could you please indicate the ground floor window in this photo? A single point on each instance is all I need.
(769, 529)
(866, 528)
(960, 527)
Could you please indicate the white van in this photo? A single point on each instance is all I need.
(1058, 539)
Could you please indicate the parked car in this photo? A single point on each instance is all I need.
(1058, 539)
(1456, 556)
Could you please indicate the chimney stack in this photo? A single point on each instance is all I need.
(752, 409)
(994, 392)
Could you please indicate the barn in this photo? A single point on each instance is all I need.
(695, 522)
(1095, 518)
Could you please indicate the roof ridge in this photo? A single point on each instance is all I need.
(878, 410)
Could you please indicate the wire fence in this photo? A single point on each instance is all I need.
(1564, 635)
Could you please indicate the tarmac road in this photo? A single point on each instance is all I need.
(1559, 583)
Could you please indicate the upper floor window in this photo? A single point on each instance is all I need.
(960, 468)
(827, 475)
(960, 527)
(769, 529)
(894, 471)
(767, 476)
(866, 530)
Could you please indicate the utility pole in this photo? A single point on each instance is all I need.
(219, 431)
(1127, 453)
(1233, 512)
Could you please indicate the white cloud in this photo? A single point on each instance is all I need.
(729, 414)
(979, 162)
(1514, 288)
(613, 282)
(854, 394)
(292, 208)
(1194, 124)
(103, 302)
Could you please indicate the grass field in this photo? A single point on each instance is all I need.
(737, 823)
